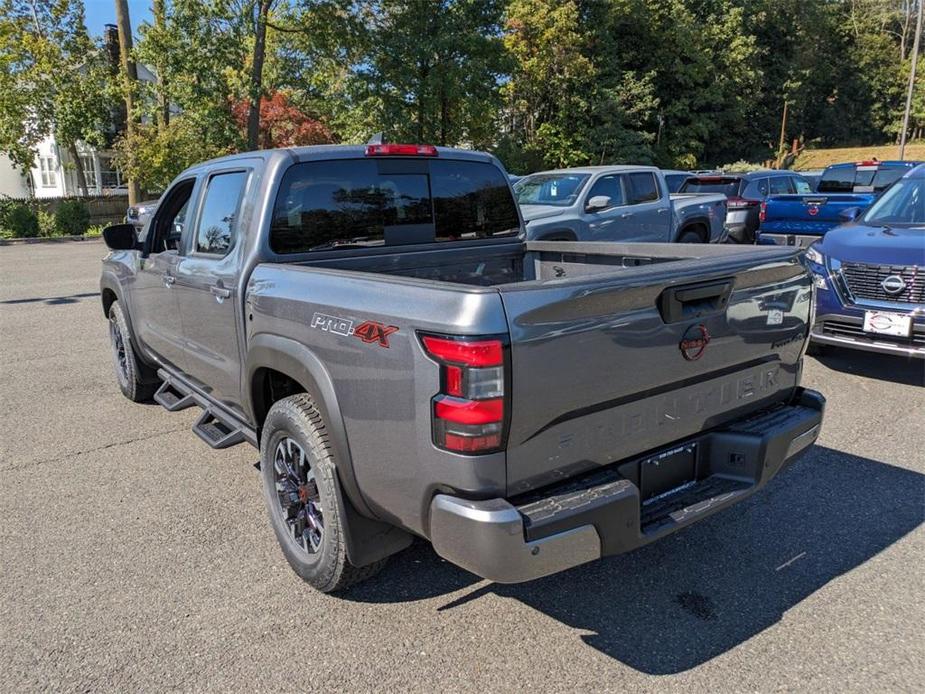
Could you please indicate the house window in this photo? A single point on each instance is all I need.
(89, 170)
(110, 176)
(47, 168)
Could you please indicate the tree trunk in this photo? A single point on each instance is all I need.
(79, 168)
(129, 78)
(163, 100)
(256, 91)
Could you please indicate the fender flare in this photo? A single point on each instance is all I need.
(369, 539)
(298, 362)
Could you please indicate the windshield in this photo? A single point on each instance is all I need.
(901, 205)
(550, 189)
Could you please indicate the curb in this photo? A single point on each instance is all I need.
(52, 239)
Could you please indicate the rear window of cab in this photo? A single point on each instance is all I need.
(355, 203)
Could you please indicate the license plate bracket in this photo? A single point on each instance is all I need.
(886, 323)
(666, 471)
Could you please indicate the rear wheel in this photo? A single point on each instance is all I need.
(130, 373)
(690, 236)
(297, 466)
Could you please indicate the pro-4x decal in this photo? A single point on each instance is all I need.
(369, 331)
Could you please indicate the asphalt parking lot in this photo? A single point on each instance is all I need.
(134, 558)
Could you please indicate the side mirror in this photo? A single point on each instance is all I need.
(598, 202)
(121, 237)
(849, 214)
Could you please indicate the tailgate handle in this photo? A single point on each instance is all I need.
(690, 301)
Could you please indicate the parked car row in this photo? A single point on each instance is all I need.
(645, 204)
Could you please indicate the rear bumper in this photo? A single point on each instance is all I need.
(799, 240)
(603, 514)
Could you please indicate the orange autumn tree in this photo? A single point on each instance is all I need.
(282, 124)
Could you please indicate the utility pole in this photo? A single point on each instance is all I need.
(915, 60)
(129, 78)
(783, 134)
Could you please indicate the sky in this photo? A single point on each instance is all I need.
(102, 12)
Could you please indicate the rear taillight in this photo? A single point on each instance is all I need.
(735, 203)
(469, 410)
(763, 212)
(401, 150)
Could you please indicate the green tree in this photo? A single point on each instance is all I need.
(55, 80)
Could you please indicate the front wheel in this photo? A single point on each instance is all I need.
(297, 467)
(129, 371)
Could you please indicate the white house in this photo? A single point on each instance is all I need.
(54, 174)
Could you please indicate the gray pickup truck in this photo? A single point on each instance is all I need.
(373, 320)
(617, 203)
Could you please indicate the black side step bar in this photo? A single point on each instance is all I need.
(217, 432)
(171, 399)
(217, 426)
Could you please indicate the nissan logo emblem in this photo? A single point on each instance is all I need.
(893, 284)
(695, 341)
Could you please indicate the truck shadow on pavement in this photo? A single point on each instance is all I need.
(883, 367)
(673, 605)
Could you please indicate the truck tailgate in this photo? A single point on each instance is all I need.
(632, 359)
(809, 214)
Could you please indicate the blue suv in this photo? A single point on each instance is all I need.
(869, 275)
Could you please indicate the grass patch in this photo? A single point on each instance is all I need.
(821, 158)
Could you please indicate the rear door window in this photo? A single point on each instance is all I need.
(357, 203)
(780, 185)
(642, 188)
(756, 189)
(215, 233)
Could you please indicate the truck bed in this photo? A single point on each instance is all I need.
(538, 261)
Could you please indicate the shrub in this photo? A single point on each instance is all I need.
(72, 218)
(19, 220)
(47, 224)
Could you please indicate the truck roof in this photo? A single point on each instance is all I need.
(299, 154)
(616, 168)
(887, 163)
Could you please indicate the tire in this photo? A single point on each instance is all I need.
(690, 236)
(133, 378)
(302, 498)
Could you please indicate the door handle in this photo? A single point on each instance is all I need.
(220, 293)
(626, 215)
(169, 280)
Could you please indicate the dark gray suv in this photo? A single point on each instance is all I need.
(744, 194)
